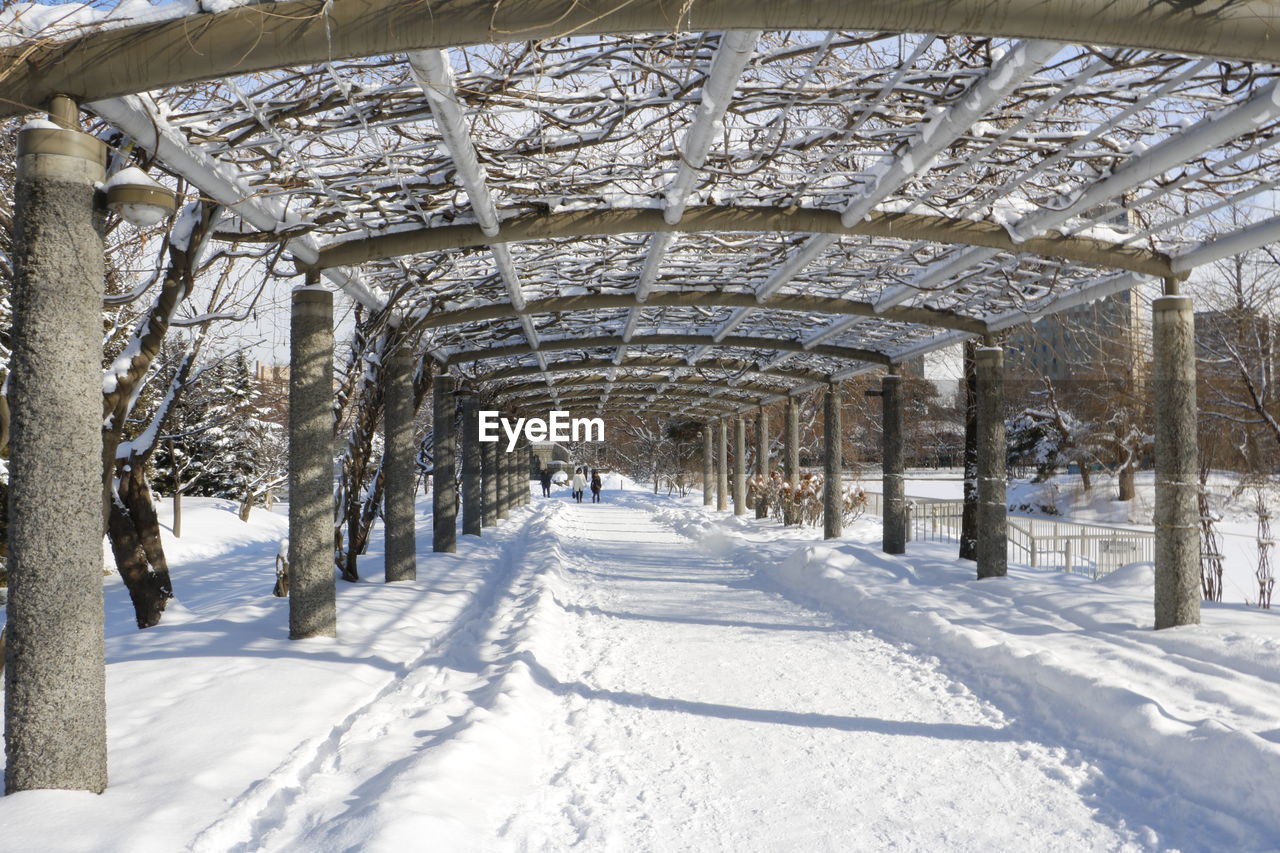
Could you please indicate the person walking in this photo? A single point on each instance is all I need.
(544, 477)
(579, 484)
(595, 486)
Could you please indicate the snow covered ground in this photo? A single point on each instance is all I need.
(1229, 498)
(649, 675)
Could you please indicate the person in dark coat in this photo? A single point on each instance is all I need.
(595, 487)
(544, 477)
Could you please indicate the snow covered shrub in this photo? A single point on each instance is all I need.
(855, 503)
(770, 491)
(803, 500)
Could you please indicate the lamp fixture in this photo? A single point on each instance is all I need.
(138, 198)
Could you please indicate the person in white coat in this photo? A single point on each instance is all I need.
(579, 484)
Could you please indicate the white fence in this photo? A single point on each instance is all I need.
(1086, 549)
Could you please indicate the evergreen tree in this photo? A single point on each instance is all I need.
(220, 442)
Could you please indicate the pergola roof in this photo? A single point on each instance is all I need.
(821, 191)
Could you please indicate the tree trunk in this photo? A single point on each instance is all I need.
(177, 513)
(969, 515)
(281, 589)
(246, 506)
(360, 518)
(134, 531)
(1128, 474)
(358, 506)
(129, 512)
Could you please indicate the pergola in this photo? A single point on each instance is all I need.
(696, 208)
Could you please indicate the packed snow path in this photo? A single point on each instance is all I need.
(626, 690)
(704, 713)
(638, 676)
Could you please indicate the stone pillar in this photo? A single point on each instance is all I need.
(722, 465)
(513, 469)
(894, 538)
(527, 482)
(833, 466)
(993, 548)
(791, 454)
(444, 507)
(762, 461)
(522, 474)
(399, 467)
(55, 692)
(504, 477)
(472, 467)
(513, 465)
(708, 466)
(1177, 515)
(312, 606)
(528, 474)
(489, 475)
(739, 466)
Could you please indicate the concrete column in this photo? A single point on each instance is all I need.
(444, 508)
(513, 468)
(312, 606)
(791, 453)
(55, 693)
(833, 466)
(894, 538)
(399, 467)
(522, 474)
(762, 460)
(993, 548)
(513, 464)
(739, 466)
(1177, 540)
(527, 482)
(489, 476)
(708, 466)
(472, 468)
(504, 478)
(722, 465)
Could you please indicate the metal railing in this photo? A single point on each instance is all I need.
(1092, 550)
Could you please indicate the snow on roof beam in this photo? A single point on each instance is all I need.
(1237, 242)
(246, 39)
(554, 344)
(726, 365)
(434, 74)
(636, 395)
(730, 60)
(898, 169)
(1177, 148)
(138, 118)
(935, 135)
(654, 386)
(760, 219)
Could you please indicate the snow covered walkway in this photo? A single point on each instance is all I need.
(701, 713)
(641, 676)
